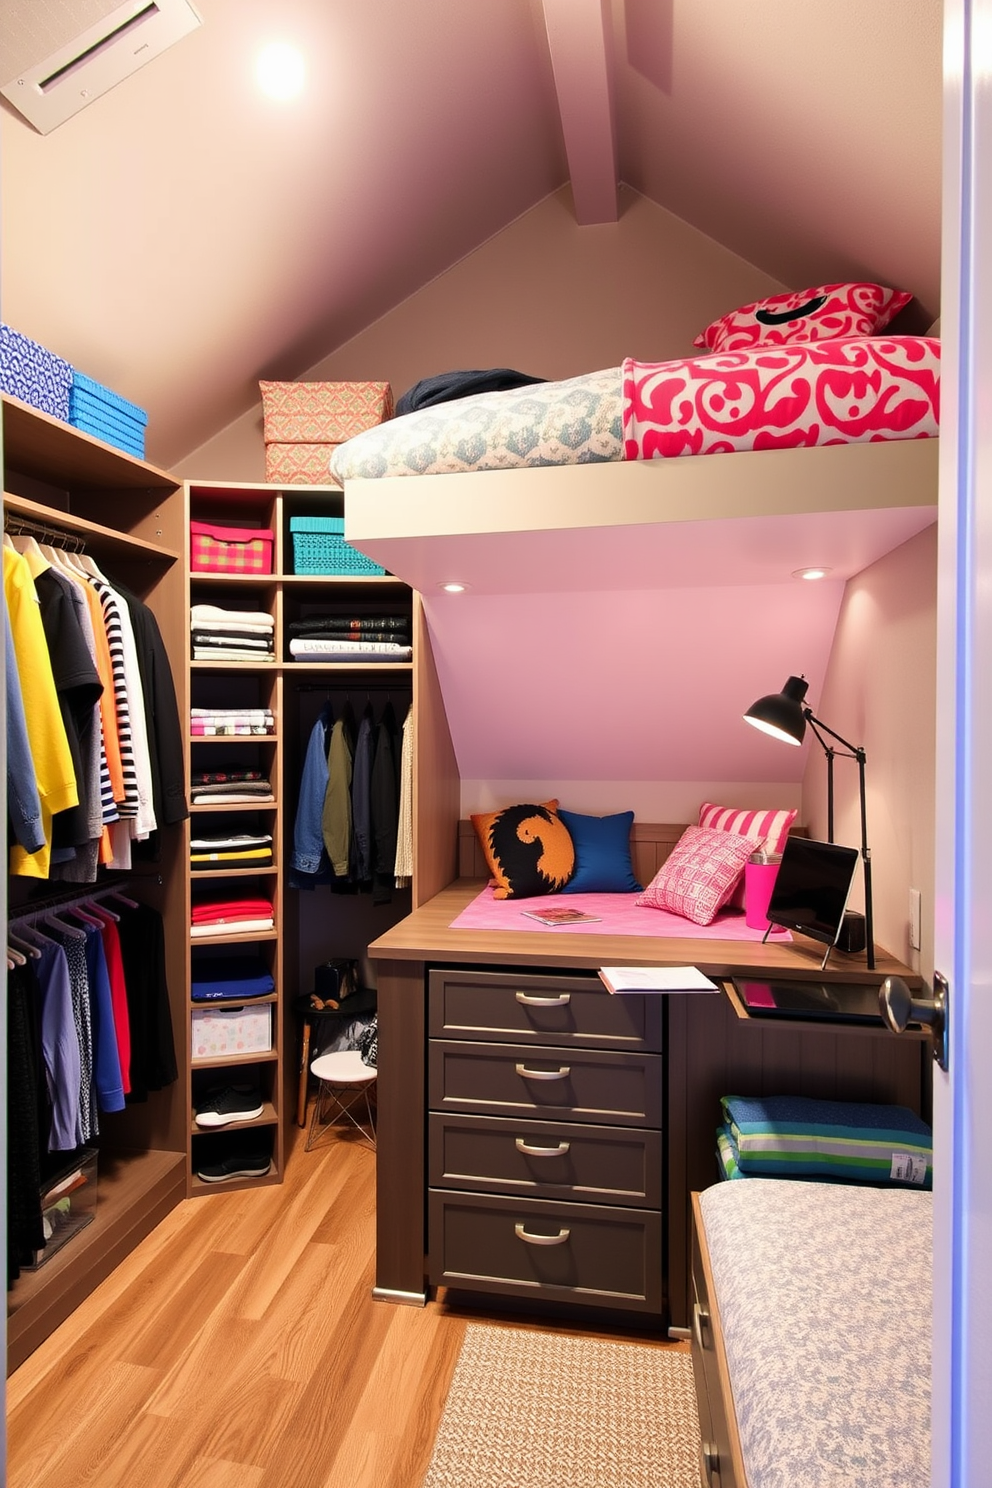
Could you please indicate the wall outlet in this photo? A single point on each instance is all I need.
(915, 915)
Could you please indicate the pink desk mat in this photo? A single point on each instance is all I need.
(618, 915)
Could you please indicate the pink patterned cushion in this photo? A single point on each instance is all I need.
(699, 875)
(853, 391)
(770, 827)
(824, 313)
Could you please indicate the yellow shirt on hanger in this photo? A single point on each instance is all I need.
(46, 732)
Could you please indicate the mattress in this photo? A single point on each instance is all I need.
(847, 391)
(575, 422)
(824, 1301)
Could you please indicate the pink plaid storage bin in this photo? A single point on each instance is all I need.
(230, 550)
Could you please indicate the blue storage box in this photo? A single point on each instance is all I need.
(34, 374)
(319, 548)
(107, 415)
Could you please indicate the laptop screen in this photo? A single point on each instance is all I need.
(812, 887)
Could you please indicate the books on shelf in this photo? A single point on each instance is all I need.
(655, 979)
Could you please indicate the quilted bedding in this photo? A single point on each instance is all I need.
(824, 1300)
(845, 391)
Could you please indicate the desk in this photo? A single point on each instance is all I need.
(711, 1048)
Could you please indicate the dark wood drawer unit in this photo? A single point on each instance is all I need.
(595, 1164)
(564, 1252)
(526, 1008)
(545, 1146)
(565, 1084)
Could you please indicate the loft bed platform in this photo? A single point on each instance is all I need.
(714, 519)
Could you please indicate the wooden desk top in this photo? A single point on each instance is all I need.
(425, 935)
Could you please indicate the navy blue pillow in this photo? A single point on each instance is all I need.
(602, 854)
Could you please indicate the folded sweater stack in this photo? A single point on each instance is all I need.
(231, 635)
(343, 638)
(230, 917)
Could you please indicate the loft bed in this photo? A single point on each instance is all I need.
(727, 523)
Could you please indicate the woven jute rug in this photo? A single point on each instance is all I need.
(538, 1410)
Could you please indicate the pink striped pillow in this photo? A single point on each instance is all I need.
(699, 875)
(770, 828)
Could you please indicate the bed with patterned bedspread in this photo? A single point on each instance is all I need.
(850, 390)
(822, 1294)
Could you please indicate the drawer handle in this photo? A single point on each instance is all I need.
(562, 1001)
(559, 1074)
(529, 1151)
(700, 1320)
(523, 1234)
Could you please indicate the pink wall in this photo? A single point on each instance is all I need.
(880, 692)
(544, 296)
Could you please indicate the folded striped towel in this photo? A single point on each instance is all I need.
(857, 1141)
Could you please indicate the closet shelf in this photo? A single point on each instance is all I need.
(229, 1061)
(95, 536)
(207, 873)
(237, 939)
(44, 447)
(269, 805)
(345, 580)
(348, 667)
(234, 666)
(268, 1117)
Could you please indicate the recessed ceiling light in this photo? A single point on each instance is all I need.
(453, 588)
(280, 70)
(810, 573)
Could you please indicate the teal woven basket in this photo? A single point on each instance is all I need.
(319, 548)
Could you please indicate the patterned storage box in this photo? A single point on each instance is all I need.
(34, 374)
(322, 412)
(319, 548)
(233, 550)
(97, 410)
(300, 465)
(219, 1031)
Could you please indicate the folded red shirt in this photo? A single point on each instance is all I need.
(231, 909)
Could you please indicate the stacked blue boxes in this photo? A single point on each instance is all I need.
(34, 374)
(106, 415)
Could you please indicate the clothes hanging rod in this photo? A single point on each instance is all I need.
(38, 908)
(57, 536)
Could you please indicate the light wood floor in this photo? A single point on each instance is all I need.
(239, 1347)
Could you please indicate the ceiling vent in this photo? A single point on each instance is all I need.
(84, 51)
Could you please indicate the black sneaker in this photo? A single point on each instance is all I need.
(226, 1103)
(235, 1165)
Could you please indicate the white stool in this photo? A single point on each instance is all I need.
(343, 1080)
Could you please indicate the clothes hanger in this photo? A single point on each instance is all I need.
(87, 919)
(102, 910)
(23, 945)
(23, 542)
(8, 542)
(35, 934)
(14, 958)
(121, 898)
(54, 923)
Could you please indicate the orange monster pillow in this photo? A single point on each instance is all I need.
(528, 849)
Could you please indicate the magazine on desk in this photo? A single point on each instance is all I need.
(560, 916)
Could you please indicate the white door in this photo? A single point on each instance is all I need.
(962, 1372)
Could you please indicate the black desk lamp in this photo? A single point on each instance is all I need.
(785, 715)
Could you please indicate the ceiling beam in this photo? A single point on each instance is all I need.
(580, 40)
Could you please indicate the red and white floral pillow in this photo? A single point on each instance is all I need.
(770, 827)
(828, 312)
(699, 875)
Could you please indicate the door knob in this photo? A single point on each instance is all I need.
(899, 1007)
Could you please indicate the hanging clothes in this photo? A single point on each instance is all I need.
(50, 753)
(336, 814)
(403, 867)
(23, 804)
(384, 798)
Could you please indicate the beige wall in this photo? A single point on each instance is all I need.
(880, 692)
(545, 297)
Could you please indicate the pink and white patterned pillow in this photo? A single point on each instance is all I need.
(825, 313)
(852, 391)
(699, 875)
(770, 827)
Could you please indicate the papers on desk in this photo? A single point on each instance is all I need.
(655, 979)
